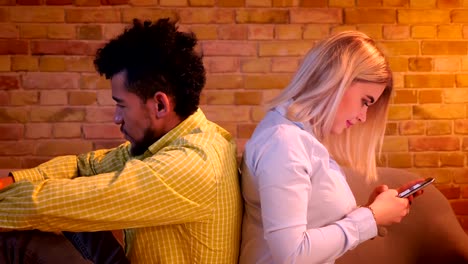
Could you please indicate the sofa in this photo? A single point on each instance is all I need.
(431, 232)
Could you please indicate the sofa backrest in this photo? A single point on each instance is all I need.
(431, 232)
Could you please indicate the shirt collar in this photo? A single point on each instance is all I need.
(189, 125)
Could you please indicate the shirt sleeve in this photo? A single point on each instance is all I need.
(175, 185)
(69, 167)
(283, 169)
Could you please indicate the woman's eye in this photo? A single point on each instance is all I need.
(365, 103)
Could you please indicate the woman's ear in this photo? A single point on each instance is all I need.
(162, 104)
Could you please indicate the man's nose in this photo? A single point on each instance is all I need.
(118, 117)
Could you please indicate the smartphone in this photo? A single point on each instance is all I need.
(415, 188)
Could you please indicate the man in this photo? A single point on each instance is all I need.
(173, 187)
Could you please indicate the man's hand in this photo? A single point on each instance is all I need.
(5, 181)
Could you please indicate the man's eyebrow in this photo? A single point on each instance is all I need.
(371, 98)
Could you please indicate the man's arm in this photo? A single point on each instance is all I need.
(175, 186)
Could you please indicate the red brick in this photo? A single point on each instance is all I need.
(430, 81)
(9, 31)
(219, 97)
(397, 48)
(328, 15)
(94, 82)
(9, 82)
(232, 32)
(16, 148)
(412, 127)
(37, 14)
(434, 144)
(79, 64)
(284, 48)
(42, 80)
(444, 47)
(313, 3)
(207, 16)
(460, 207)
(31, 31)
(227, 113)
(13, 115)
(277, 81)
(90, 32)
(82, 98)
(201, 2)
(459, 15)
(221, 64)
(36, 131)
(260, 32)
(59, 2)
(435, 128)
(426, 160)
(62, 147)
(57, 114)
(101, 131)
(224, 81)
(4, 14)
(245, 130)
(4, 98)
(449, 3)
(420, 64)
(28, 2)
(369, 3)
(66, 130)
(91, 15)
(87, 2)
(248, 98)
(7, 3)
(13, 46)
(453, 159)
(268, 16)
(51, 64)
(63, 47)
(419, 16)
(285, 64)
(105, 98)
(21, 98)
(369, 16)
(449, 191)
(430, 97)
(11, 132)
(53, 97)
(10, 163)
(114, 2)
(100, 114)
(230, 3)
(405, 97)
(33, 162)
(229, 48)
(61, 31)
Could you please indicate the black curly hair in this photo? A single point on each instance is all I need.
(156, 57)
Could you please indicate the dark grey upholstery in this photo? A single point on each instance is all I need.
(431, 232)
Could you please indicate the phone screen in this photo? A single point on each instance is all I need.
(415, 188)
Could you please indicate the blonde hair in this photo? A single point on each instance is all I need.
(317, 89)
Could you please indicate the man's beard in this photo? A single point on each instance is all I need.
(138, 148)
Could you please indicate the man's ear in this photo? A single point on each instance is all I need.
(162, 104)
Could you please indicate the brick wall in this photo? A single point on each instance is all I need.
(52, 102)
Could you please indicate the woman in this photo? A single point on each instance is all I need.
(298, 205)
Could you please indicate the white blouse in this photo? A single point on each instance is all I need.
(298, 207)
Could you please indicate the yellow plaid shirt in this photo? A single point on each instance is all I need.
(179, 202)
